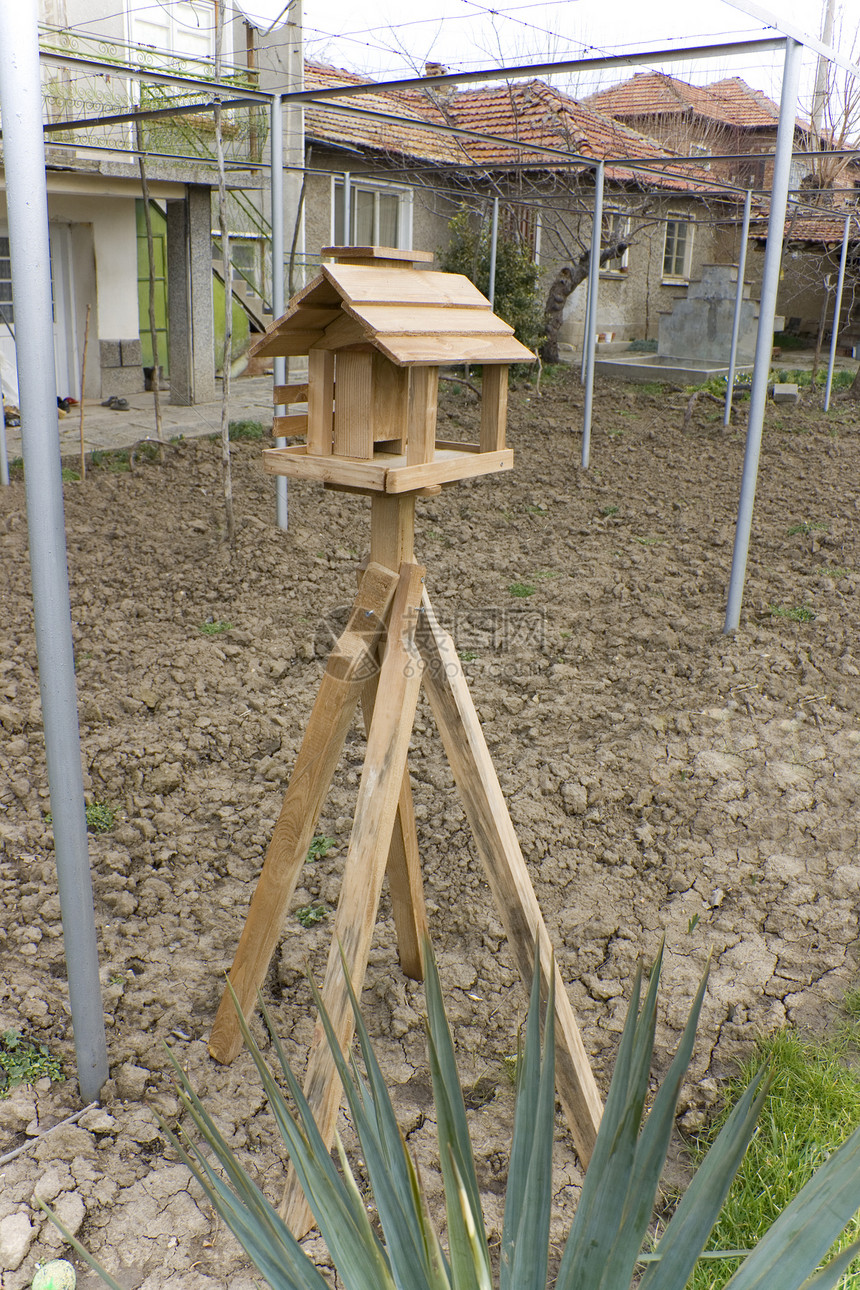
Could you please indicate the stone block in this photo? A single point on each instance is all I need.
(785, 392)
(110, 353)
(121, 380)
(131, 353)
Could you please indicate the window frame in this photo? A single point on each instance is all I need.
(615, 220)
(379, 188)
(674, 218)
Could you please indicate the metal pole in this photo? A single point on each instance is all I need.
(27, 206)
(591, 312)
(494, 242)
(4, 455)
(764, 338)
(279, 366)
(842, 260)
(739, 300)
(587, 328)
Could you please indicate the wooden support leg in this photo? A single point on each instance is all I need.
(505, 867)
(403, 869)
(376, 806)
(333, 710)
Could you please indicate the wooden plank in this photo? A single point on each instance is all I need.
(292, 424)
(452, 349)
(342, 332)
(311, 318)
(392, 530)
(320, 402)
(353, 405)
(330, 718)
(378, 253)
(296, 464)
(423, 399)
(499, 850)
(429, 320)
(403, 867)
(392, 537)
(402, 479)
(390, 402)
(494, 407)
(286, 394)
(360, 285)
(285, 344)
(376, 807)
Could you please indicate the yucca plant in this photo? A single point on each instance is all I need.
(604, 1250)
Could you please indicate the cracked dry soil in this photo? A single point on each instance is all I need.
(663, 779)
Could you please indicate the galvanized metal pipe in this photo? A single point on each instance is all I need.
(739, 300)
(279, 365)
(836, 308)
(4, 455)
(591, 312)
(27, 207)
(494, 243)
(764, 338)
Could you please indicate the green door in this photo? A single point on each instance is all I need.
(159, 247)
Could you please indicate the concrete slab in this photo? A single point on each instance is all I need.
(655, 367)
(250, 400)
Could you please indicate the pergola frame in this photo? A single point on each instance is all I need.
(23, 141)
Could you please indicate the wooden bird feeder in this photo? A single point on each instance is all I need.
(376, 330)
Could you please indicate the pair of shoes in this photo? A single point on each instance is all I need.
(118, 404)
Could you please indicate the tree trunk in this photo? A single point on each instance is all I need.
(564, 284)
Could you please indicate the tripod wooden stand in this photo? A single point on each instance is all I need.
(354, 403)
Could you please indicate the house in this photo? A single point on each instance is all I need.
(406, 161)
(730, 125)
(104, 59)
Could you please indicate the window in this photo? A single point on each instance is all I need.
(6, 310)
(615, 228)
(677, 248)
(184, 28)
(522, 224)
(379, 215)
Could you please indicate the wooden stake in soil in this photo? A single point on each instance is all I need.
(83, 381)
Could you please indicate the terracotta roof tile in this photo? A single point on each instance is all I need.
(728, 102)
(527, 113)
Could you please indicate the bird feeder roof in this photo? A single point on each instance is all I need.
(414, 316)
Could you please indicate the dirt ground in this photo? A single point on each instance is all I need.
(664, 780)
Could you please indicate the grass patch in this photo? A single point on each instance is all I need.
(116, 462)
(807, 526)
(834, 571)
(521, 589)
(100, 817)
(467, 656)
(319, 848)
(609, 510)
(71, 476)
(246, 430)
(214, 627)
(652, 387)
(797, 613)
(310, 915)
(23, 1061)
(812, 1107)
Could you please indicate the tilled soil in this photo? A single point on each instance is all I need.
(665, 780)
